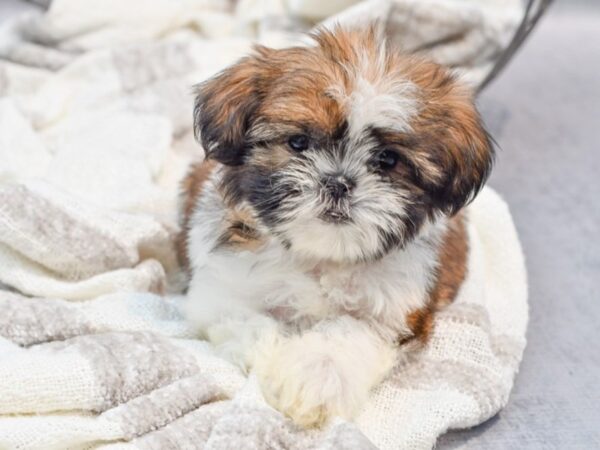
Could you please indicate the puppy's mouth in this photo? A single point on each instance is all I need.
(335, 216)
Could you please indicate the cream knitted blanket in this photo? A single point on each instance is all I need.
(95, 132)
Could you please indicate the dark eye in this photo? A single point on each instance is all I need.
(387, 160)
(298, 142)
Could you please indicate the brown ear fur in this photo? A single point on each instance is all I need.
(451, 134)
(225, 104)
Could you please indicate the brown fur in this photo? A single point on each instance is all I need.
(452, 263)
(451, 273)
(240, 232)
(191, 188)
(449, 135)
(225, 103)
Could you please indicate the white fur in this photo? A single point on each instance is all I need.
(389, 103)
(377, 98)
(318, 334)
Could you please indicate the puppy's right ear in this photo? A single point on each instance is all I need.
(225, 106)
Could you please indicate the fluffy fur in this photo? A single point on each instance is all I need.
(324, 228)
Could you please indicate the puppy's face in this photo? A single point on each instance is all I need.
(343, 149)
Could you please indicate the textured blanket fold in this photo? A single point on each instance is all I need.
(95, 133)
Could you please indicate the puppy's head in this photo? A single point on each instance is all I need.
(345, 148)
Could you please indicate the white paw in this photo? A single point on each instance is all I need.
(311, 380)
(235, 339)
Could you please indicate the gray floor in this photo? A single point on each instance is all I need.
(544, 111)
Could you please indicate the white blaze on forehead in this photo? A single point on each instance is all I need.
(390, 103)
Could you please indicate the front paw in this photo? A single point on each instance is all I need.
(310, 381)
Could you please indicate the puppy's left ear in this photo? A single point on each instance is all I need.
(225, 106)
(467, 150)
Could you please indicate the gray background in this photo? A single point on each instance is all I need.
(544, 111)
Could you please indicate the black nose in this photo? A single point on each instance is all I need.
(338, 186)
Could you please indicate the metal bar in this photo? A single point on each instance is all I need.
(533, 11)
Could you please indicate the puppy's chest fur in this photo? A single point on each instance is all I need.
(398, 294)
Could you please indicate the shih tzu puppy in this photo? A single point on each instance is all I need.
(324, 228)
